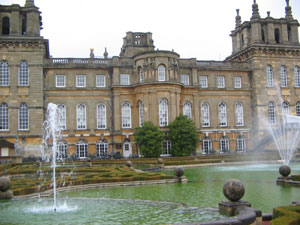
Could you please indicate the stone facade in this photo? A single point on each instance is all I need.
(102, 100)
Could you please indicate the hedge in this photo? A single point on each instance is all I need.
(289, 215)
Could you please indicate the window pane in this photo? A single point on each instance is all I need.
(163, 112)
(187, 109)
(222, 115)
(205, 115)
(125, 80)
(283, 76)
(141, 113)
(102, 150)
(4, 74)
(82, 150)
(61, 151)
(23, 74)
(239, 113)
(203, 82)
(237, 82)
(62, 117)
(297, 76)
(101, 116)
(126, 115)
(271, 112)
(141, 73)
(23, 117)
(60, 81)
(81, 117)
(80, 81)
(269, 76)
(4, 117)
(185, 79)
(161, 73)
(206, 146)
(100, 81)
(221, 82)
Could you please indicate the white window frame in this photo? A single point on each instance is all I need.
(62, 116)
(285, 108)
(272, 113)
(124, 79)
(283, 76)
(224, 145)
(81, 116)
(166, 148)
(81, 150)
(4, 117)
(237, 82)
(4, 73)
(297, 76)
(60, 81)
(203, 81)
(126, 115)
(23, 74)
(239, 114)
(163, 112)
(61, 150)
(270, 76)
(141, 74)
(240, 144)
(101, 116)
(100, 81)
(187, 109)
(205, 116)
(185, 79)
(102, 150)
(23, 117)
(222, 114)
(220, 81)
(298, 108)
(161, 70)
(80, 81)
(206, 146)
(141, 113)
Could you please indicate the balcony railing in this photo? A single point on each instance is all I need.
(78, 61)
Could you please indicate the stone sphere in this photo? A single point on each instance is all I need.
(129, 163)
(285, 170)
(160, 161)
(233, 190)
(4, 183)
(179, 171)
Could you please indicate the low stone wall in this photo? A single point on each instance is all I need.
(287, 181)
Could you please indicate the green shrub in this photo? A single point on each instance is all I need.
(289, 215)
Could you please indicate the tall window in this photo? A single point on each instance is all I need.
(161, 73)
(271, 113)
(187, 109)
(60, 81)
(101, 116)
(5, 26)
(100, 80)
(221, 82)
(124, 79)
(80, 81)
(4, 117)
(163, 112)
(269, 76)
(166, 148)
(141, 113)
(206, 145)
(283, 76)
(277, 35)
(62, 117)
(224, 145)
(241, 144)
(81, 117)
(298, 108)
(205, 115)
(237, 82)
(61, 151)
(23, 74)
(285, 108)
(126, 115)
(297, 76)
(23, 117)
(82, 150)
(141, 74)
(239, 114)
(4, 73)
(222, 115)
(203, 82)
(102, 150)
(185, 79)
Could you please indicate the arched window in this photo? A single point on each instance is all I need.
(241, 144)
(23, 117)
(239, 114)
(82, 149)
(224, 145)
(161, 73)
(62, 116)
(141, 74)
(141, 113)
(222, 115)
(283, 76)
(23, 74)
(205, 115)
(297, 76)
(269, 76)
(277, 35)
(61, 151)
(271, 113)
(101, 116)
(206, 145)
(298, 108)
(4, 117)
(187, 109)
(4, 73)
(285, 108)
(5, 26)
(102, 150)
(126, 115)
(81, 117)
(163, 112)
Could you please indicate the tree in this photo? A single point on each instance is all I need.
(149, 140)
(183, 136)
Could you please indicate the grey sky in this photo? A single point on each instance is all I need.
(193, 28)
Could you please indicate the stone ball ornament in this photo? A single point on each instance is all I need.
(4, 184)
(284, 170)
(179, 171)
(160, 161)
(233, 190)
(129, 163)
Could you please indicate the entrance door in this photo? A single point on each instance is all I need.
(127, 150)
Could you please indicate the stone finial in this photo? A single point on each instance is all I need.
(255, 11)
(29, 3)
(238, 19)
(288, 11)
(105, 54)
(92, 55)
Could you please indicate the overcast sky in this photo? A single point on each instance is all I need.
(193, 28)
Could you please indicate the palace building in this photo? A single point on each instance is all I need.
(102, 100)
